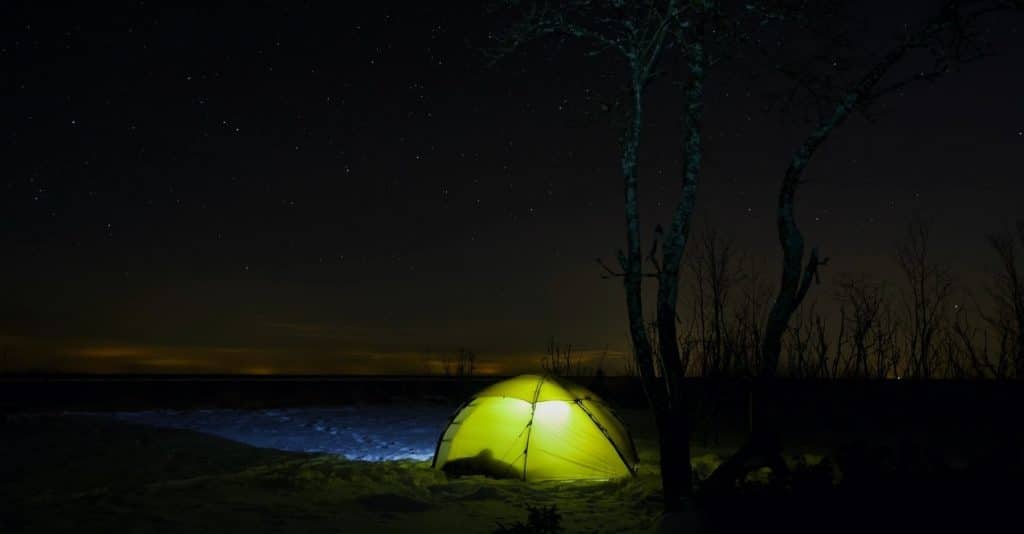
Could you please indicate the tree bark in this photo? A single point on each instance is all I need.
(676, 439)
(665, 390)
(671, 417)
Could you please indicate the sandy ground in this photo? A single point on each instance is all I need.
(352, 469)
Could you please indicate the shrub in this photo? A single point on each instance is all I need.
(540, 520)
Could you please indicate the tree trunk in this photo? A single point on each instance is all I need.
(671, 418)
(675, 439)
(764, 443)
(674, 445)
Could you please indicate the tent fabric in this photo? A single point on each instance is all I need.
(537, 428)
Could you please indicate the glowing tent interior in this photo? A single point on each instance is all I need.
(536, 428)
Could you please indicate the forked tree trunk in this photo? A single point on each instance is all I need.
(671, 421)
(666, 390)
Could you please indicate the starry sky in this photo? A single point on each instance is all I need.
(299, 189)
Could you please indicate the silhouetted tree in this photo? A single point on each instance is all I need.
(862, 300)
(972, 346)
(928, 289)
(1007, 292)
(639, 34)
(803, 348)
(701, 34)
(461, 364)
(749, 319)
(950, 37)
(560, 360)
(713, 271)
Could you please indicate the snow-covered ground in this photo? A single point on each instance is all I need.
(235, 471)
(377, 433)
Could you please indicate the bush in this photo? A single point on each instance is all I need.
(540, 520)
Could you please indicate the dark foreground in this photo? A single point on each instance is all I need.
(941, 459)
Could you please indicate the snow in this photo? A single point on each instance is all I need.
(349, 469)
(374, 434)
(367, 469)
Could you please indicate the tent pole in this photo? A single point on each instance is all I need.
(529, 426)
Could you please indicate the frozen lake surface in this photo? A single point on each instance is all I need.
(368, 433)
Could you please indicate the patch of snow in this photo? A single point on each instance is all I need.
(371, 433)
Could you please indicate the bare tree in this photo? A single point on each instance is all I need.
(749, 319)
(639, 34)
(928, 289)
(822, 347)
(560, 360)
(713, 271)
(1007, 292)
(888, 350)
(461, 364)
(862, 299)
(798, 344)
(950, 37)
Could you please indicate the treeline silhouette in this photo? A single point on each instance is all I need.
(920, 325)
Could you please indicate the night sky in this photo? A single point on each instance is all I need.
(354, 190)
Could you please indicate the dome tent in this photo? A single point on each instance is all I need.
(536, 428)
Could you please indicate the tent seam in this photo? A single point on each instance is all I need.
(579, 402)
(529, 433)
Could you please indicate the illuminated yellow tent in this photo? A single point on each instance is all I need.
(537, 428)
